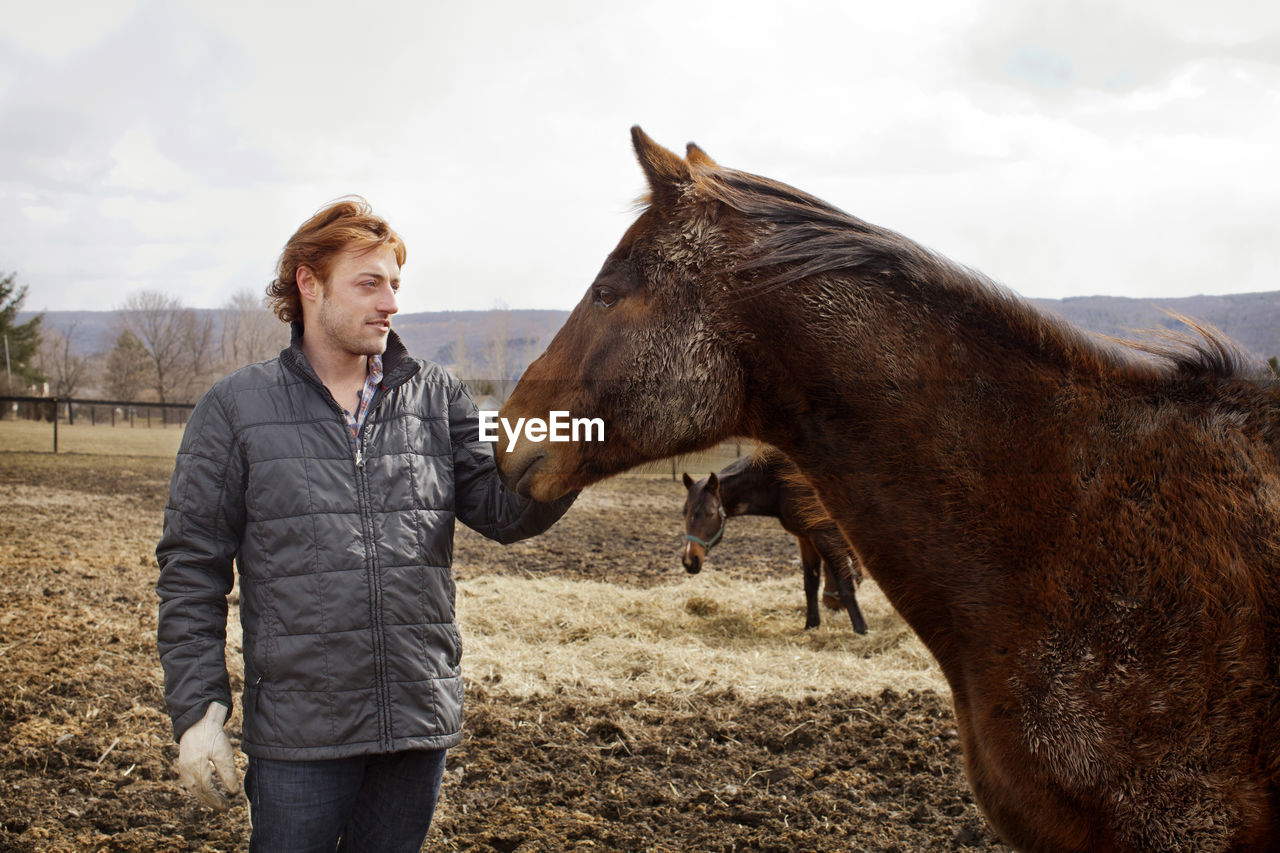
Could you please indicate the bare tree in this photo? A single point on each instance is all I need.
(179, 342)
(250, 332)
(199, 357)
(461, 366)
(68, 371)
(498, 351)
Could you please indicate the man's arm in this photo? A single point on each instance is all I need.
(483, 503)
(203, 523)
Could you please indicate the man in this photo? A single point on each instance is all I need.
(332, 476)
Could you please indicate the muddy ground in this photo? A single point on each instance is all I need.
(86, 752)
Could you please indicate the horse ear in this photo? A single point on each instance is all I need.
(699, 159)
(664, 169)
(713, 485)
(688, 481)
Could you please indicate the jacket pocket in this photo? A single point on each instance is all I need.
(254, 649)
(455, 654)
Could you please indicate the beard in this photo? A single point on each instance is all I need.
(348, 334)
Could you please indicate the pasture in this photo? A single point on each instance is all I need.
(614, 702)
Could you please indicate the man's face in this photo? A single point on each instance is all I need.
(354, 311)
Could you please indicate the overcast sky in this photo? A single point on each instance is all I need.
(1065, 148)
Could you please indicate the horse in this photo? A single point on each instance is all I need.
(768, 484)
(1085, 534)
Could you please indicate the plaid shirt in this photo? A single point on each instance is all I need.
(356, 421)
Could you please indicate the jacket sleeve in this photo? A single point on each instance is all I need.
(483, 503)
(203, 525)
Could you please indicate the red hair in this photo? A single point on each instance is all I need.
(348, 224)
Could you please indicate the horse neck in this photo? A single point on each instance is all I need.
(928, 434)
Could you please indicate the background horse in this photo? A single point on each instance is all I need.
(1086, 538)
(768, 484)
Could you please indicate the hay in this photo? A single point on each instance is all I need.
(546, 635)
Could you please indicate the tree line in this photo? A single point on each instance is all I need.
(162, 350)
(166, 352)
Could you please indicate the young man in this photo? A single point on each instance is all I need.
(332, 476)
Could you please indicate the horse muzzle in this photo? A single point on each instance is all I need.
(692, 557)
(519, 468)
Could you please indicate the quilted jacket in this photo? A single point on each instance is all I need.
(344, 559)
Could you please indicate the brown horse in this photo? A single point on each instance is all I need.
(1087, 537)
(768, 484)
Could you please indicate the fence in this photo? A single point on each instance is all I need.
(137, 413)
(107, 412)
(697, 465)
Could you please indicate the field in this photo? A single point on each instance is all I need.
(614, 702)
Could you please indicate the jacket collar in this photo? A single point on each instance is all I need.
(397, 365)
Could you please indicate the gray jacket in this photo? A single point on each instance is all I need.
(346, 590)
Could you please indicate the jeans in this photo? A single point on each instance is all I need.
(381, 803)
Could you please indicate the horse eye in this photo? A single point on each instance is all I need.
(605, 296)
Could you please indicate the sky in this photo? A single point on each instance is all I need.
(1063, 148)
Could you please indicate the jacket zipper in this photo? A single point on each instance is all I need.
(375, 582)
(374, 577)
(364, 501)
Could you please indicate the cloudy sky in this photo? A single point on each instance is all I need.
(1063, 148)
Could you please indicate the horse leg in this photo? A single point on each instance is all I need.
(811, 560)
(830, 596)
(840, 559)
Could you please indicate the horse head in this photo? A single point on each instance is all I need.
(643, 350)
(704, 520)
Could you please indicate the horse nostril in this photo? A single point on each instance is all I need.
(692, 565)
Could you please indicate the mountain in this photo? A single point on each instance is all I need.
(496, 344)
(475, 344)
(1251, 320)
(500, 343)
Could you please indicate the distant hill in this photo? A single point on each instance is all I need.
(469, 342)
(1252, 320)
(481, 344)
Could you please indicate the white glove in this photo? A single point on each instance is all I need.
(203, 744)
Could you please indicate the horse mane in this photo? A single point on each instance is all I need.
(1205, 351)
(808, 237)
(743, 463)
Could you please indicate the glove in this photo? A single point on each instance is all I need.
(203, 744)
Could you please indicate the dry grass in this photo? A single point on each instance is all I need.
(531, 636)
(122, 440)
(707, 663)
(523, 635)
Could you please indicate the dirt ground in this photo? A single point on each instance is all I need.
(86, 751)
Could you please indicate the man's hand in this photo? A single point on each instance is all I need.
(203, 744)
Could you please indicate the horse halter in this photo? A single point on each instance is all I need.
(707, 543)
